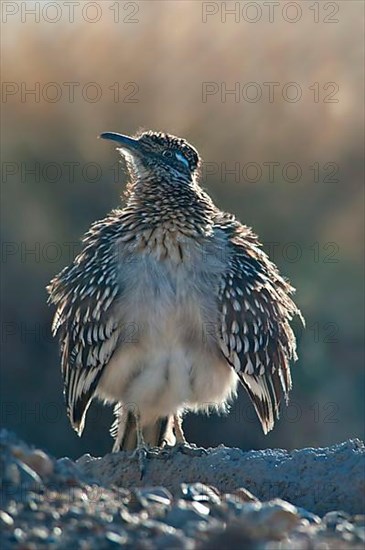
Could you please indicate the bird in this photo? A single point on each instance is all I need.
(170, 306)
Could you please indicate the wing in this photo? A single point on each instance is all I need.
(85, 294)
(254, 331)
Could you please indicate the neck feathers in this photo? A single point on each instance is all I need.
(178, 205)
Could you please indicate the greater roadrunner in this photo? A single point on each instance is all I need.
(170, 303)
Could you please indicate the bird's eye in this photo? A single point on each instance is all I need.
(180, 157)
(169, 153)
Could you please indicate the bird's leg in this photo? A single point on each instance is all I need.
(140, 440)
(141, 450)
(179, 432)
(181, 444)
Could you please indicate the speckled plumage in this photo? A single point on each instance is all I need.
(171, 301)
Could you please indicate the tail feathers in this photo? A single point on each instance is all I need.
(124, 431)
(265, 393)
(79, 393)
(77, 413)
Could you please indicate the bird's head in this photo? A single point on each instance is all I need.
(157, 155)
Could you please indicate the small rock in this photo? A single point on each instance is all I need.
(199, 492)
(200, 508)
(152, 495)
(36, 459)
(128, 518)
(19, 534)
(117, 539)
(6, 519)
(29, 478)
(243, 495)
(359, 519)
(39, 533)
(312, 518)
(185, 512)
(273, 519)
(158, 527)
(345, 527)
(332, 519)
(32, 505)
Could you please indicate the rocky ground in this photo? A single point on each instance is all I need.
(222, 499)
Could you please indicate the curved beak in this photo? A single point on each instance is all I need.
(124, 142)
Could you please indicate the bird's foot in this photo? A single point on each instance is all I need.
(189, 449)
(143, 453)
(140, 453)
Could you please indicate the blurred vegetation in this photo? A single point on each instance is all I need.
(167, 55)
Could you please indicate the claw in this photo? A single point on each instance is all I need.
(190, 449)
(140, 453)
(144, 453)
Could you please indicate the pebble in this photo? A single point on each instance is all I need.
(6, 519)
(29, 479)
(118, 539)
(40, 533)
(200, 493)
(37, 460)
(184, 512)
(152, 495)
(19, 535)
(270, 520)
(312, 518)
(243, 495)
(331, 519)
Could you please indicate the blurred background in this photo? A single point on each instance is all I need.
(273, 101)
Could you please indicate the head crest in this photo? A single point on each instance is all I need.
(164, 141)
